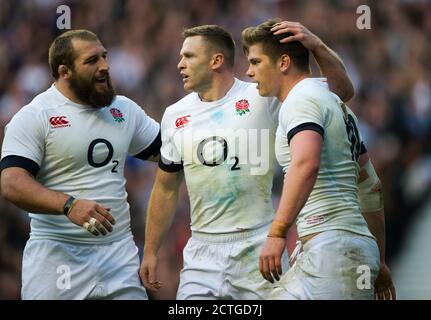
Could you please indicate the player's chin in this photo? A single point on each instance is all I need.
(188, 86)
(102, 89)
(263, 92)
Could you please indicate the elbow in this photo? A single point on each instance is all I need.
(348, 92)
(311, 171)
(308, 169)
(7, 191)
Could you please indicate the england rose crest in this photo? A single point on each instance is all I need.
(241, 107)
(118, 116)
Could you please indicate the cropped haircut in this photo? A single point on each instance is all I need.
(272, 47)
(219, 40)
(61, 50)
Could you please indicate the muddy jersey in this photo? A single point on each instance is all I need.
(225, 148)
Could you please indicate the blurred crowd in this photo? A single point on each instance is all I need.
(389, 65)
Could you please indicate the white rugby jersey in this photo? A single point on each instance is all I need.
(226, 150)
(80, 151)
(333, 204)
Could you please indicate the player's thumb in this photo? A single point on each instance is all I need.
(143, 274)
(152, 273)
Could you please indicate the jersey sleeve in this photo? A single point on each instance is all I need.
(301, 113)
(24, 140)
(170, 159)
(146, 136)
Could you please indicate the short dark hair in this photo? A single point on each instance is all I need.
(61, 50)
(218, 38)
(271, 45)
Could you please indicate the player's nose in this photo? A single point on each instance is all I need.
(181, 65)
(250, 72)
(104, 66)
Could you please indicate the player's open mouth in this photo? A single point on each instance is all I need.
(101, 81)
(184, 76)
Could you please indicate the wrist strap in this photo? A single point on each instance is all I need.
(68, 205)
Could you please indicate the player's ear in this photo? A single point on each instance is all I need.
(217, 60)
(284, 63)
(64, 71)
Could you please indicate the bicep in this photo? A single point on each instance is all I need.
(14, 180)
(306, 146)
(15, 173)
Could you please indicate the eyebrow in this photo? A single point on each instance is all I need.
(104, 53)
(186, 54)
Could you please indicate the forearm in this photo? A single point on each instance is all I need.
(333, 69)
(371, 201)
(19, 187)
(298, 184)
(376, 224)
(160, 213)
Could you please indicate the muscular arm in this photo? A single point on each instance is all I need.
(21, 188)
(305, 149)
(376, 224)
(333, 69)
(160, 213)
(299, 180)
(161, 208)
(371, 200)
(329, 62)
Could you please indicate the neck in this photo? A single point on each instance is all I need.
(289, 82)
(66, 91)
(220, 85)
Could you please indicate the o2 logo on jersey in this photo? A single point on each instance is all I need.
(213, 152)
(97, 149)
(182, 121)
(59, 122)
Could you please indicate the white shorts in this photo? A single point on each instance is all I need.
(335, 264)
(225, 267)
(62, 270)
